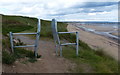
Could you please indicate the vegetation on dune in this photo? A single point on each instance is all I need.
(17, 24)
(98, 61)
(46, 29)
(10, 58)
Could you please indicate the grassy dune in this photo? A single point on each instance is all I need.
(17, 23)
(98, 62)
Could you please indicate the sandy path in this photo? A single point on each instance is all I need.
(48, 63)
(110, 47)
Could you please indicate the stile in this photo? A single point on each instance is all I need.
(57, 40)
(36, 41)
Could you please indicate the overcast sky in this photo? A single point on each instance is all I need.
(62, 10)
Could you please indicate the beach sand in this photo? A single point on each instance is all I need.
(95, 41)
(115, 33)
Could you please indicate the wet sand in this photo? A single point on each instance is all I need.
(95, 41)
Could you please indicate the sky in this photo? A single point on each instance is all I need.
(63, 10)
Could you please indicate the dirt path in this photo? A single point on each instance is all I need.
(48, 63)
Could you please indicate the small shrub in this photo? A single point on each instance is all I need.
(7, 58)
(30, 54)
(84, 45)
(32, 60)
(100, 52)
(6, 43)
(19, 52)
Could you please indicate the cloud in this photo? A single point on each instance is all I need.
(91, 13)
(94, 4)
(61, 9)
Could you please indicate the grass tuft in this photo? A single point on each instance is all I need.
(7, 58)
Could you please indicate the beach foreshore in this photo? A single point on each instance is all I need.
(109, 47)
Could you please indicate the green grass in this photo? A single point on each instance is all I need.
(14, 28)
(17, 24)
(46, 29)
(21, 53)
(99, 64)
(32, 60)
(10, 58)
(7, 58)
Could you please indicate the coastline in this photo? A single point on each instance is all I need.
(109, 46)
(110, 35)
